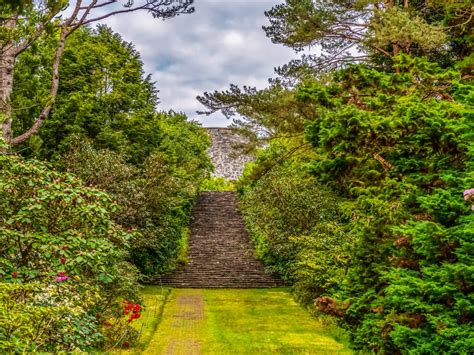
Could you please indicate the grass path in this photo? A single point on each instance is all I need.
(230, 321)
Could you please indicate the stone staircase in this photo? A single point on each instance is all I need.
(219, 253)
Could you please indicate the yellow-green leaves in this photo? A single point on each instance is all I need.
(399, 27)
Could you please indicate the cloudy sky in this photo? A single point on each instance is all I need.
(221, 43)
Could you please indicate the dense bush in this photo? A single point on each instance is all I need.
(63, 272)
(296, 228)
(156, 196)
(216, 183)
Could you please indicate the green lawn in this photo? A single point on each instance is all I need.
(232, 321)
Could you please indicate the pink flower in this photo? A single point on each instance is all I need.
(62, 276)
(468, 194)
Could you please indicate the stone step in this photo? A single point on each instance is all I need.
(219, 250)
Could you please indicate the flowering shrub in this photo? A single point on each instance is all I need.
(62, 265)
(117, 329)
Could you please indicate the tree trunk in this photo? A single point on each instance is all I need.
(53, 91)
(7, 66)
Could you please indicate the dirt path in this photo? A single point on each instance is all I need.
(183, 320)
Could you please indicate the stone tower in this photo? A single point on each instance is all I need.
(228, 160)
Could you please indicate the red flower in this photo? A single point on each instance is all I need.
(63, 260)
(127, 307)
(126, 344)
(14, 274)
(132, 309)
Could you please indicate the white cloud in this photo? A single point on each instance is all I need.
(221, 43)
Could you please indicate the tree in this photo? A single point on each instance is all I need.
(271, 111)
(366, 30)
(104, 95)
(20, 27)
(156, 195)
(399, 149)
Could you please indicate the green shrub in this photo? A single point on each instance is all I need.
(399, 148)
(62, 264)
(157, 196)
(216, 183)
(297, 229)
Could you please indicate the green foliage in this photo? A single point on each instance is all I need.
(218, 183)
(392, 253)
(297, 229)
(398, 26)
(157, 196)
(103, 95)
(274, 108)
(369, 31)
(151, 163)
(392, 142)
(399, 148)
(105, 130)
(62, 263)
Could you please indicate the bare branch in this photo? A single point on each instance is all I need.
(143, 7)
(53, 91)
(152, 6)
(83, 17)
(77, 8)
(100, 5)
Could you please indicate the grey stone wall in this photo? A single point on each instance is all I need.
(227, 159)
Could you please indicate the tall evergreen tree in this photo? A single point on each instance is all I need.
(367, 30)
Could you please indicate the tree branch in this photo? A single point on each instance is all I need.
(83, 17)
(53, 91)
(100, 5)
